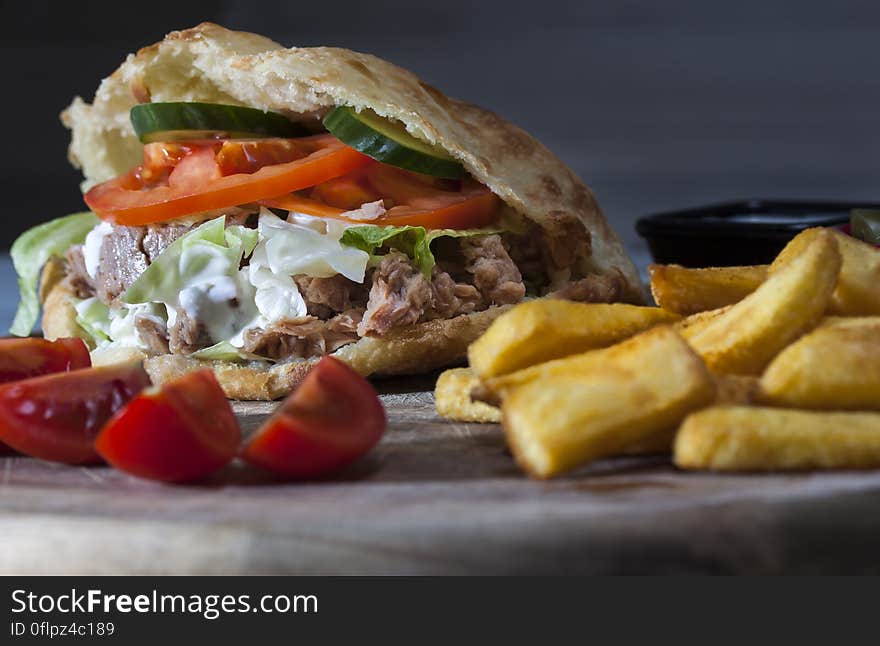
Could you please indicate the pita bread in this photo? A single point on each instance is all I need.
(212, 64)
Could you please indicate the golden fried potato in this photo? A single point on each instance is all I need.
(542, 330)
(741, 438)
(836, 366)
(735, 389)
(858, 288)
(858, 285)
(452, 398)
(453, 401)
(640, 390)
(732, 389)
(695, 323)
(492, 390)
(688, 291)
(744, 339)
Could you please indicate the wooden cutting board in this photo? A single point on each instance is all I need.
(436, 497)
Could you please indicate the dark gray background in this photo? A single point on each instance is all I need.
(656, 105)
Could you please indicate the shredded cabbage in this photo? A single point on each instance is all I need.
(199, 274)
(305, 245)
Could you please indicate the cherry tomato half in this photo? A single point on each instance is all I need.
(32, 357)
(56, 417)
(180, 432)
(330, 420)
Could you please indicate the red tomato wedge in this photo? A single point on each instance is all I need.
(181, 432)
(330, 420)
(56, 417)
(416, 201)
(196, 182)
(31, 357)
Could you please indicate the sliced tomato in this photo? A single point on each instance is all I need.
(431, 203)
(414, 200)
(197, 183)
(235, 156)
(31, 357)
(348, 192)
(330, 420)
(180, 432)
(56, 417)
(294, 202)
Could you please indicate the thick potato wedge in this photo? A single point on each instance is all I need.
(731, 389)
(858, 288)
(452, 398)
(688, 291)
(547, 329)
(740, 438)
(640, 390)
(744, 339)
(592, 362)
(836, 366)
(695, 323)
(735, 389)
(858, 285)
(453, 401)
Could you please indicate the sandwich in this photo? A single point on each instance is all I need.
(252, 208)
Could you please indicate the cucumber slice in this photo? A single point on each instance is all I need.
(164, 121)
(388, 142)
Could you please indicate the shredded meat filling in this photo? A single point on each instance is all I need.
(77, 276)
(401, 295)
(495, 274)
(325, 297)
(595, 288)
(304, 337)
(187, 335)
(471, 274)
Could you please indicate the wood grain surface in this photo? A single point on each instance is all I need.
(436, 498)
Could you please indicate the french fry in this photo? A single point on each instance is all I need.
(691, 325)
(591, 362)
(542, 330)
(731, 389)
(836, 366)
(744, 339)
(740, 438)
(452, 398)
(735, 389)
(688, 291)
(858, 285)
(453, 401)
(858, 288)
(640, 390)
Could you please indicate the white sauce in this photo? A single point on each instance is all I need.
(92, 247)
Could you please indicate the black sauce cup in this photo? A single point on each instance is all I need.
(746, 232)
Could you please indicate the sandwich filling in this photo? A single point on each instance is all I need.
(257, 246)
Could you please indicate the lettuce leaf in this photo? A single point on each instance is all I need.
(32, 250)
(224, 351)
(415, 242)
(93, 316)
